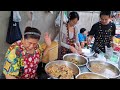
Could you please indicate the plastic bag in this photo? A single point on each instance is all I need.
(58, 19)
(13, 33)
(16, 16)
(108, 52)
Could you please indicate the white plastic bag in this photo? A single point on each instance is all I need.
(58, 19)
(51, 12)
(109, 52)
(16, 16)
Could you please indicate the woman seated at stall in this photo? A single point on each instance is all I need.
(23, 56)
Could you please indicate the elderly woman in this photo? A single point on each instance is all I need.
(23, 56)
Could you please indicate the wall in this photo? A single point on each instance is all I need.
(87, 19)
(4, 19)
(43, 20)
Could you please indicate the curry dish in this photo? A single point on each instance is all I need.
(102, 69)
(90, 76)
(73, 60)
(85, 77)
(60, 71)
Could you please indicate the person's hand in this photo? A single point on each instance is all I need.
(73, 49)
(80, 52)
(47, 39)
(89, 41)
(76, 50)
(79, 49)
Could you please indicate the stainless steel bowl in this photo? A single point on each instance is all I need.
(81, 59)
(74, 67)
(104, 68)
(90, 75)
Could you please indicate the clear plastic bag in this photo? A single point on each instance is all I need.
(16, 16)
(58, 19)
(108, 52)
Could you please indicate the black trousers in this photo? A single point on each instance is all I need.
(41, 71)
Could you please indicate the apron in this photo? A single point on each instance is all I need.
(69, 42)
(29, 65)
(102, 39)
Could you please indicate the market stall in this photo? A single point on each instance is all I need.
(99, 65)
(109, 60)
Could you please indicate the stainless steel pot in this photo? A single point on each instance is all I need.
(79, 58)
(90, 75)
(74, 67)
(104, 68)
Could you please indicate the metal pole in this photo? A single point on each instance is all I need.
(60, 33)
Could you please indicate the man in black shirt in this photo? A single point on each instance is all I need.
(103, 32)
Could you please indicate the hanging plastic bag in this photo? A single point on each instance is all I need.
(108, 52)
(65, 18)
(13, 33)
(58, 19)
(51, 12)
(16, 16)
